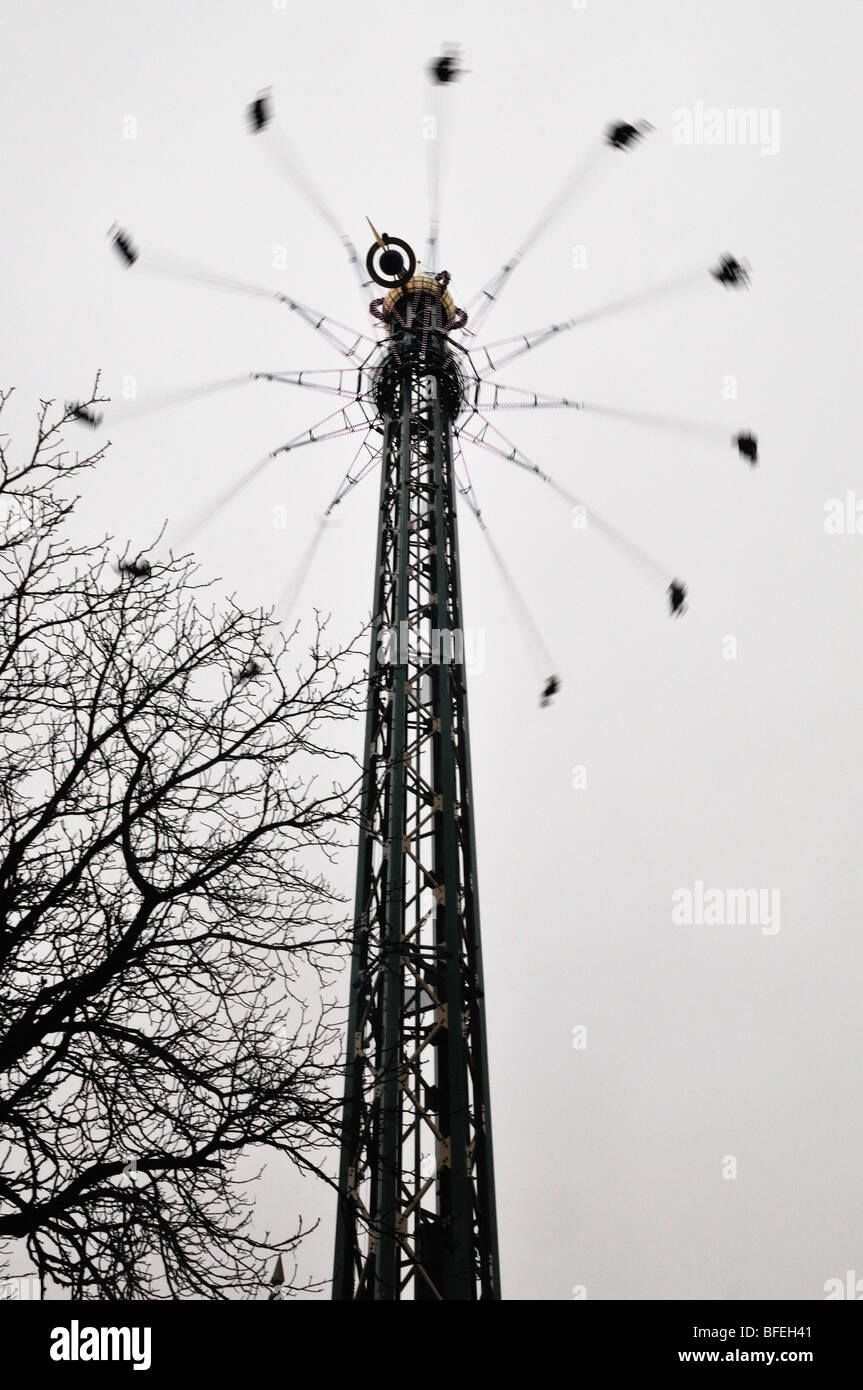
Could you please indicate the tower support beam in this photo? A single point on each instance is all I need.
(416, 1216)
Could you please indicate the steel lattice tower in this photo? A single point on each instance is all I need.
(416, 1213)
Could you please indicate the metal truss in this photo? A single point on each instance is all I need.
(416, 1212)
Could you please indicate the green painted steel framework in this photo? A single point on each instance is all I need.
(416, 1214)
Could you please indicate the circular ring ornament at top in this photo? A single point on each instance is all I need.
(392, 264)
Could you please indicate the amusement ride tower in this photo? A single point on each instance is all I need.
(416, 1204)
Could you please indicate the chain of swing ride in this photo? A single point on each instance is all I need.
(484, 396)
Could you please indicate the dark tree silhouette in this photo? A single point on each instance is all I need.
(163, 909)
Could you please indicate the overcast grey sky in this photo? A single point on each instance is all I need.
(704, 1042)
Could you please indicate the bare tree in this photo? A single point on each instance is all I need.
(163, 903)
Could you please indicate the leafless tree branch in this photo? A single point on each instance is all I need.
(169, 805)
